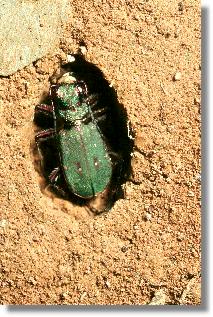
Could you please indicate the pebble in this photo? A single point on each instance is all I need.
(64, 295)
(70, 58)
(84, 294)
(177, 76)
(197, 101)
(83, 49)
(32, 280)
(3, 223)
(148, 216)
(124, 248)
(107, 283)
(190, 193)
(159, 298)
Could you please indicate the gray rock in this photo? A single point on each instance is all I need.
(29, 29)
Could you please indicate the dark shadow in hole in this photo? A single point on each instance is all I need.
(114, 127)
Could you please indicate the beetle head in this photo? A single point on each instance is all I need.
(70, 100)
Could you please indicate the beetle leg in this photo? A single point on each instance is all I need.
(130, 131)
(99, 111)
(44, 109)
(44, 135)
(92, 100)
(114, 155)
(87, 119)
(101, 203)
(99, 114)
(100, 118)
(54, 178)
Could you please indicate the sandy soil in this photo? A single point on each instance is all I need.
(147, 248)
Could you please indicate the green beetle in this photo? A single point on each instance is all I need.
(84, 154)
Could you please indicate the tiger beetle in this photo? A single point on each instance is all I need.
(87, 161)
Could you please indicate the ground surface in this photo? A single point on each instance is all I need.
(147, 248)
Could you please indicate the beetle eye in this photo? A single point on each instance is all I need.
(80, 89)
